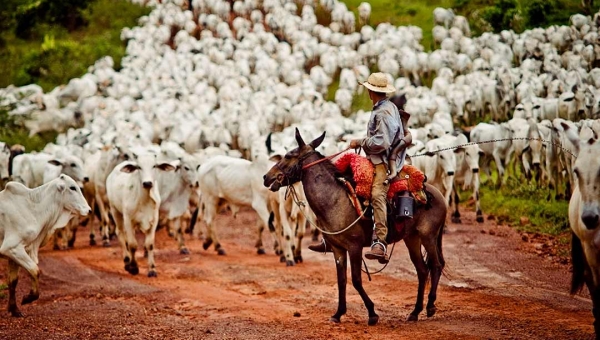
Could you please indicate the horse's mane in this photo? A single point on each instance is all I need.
(331, 168)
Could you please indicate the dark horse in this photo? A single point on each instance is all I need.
(329, 200)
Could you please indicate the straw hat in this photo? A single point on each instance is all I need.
(378, 82)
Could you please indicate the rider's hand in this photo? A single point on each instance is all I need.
(355, 143)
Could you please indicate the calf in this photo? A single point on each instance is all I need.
(134, 203)
(27, 218)
(584, 218)
(497, 147)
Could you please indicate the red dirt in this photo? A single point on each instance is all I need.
(496, 287)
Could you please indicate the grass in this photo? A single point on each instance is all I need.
(403, 12)
(53, 56)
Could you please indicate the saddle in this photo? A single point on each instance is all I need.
(406, 188)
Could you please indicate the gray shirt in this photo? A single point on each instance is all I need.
(384, 130)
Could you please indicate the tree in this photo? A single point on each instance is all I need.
(67, 13)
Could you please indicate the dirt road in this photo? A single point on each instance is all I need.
(496, 288)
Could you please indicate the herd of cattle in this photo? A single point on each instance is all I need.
(210, 91)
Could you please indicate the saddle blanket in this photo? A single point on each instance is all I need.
(409, 178)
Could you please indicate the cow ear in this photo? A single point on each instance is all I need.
(315, 143)
(457, 150)
(55, 162)
(275, 158)
(527, 148)
(299, 139)
(129, 168)
(481, 153)
(165, 167)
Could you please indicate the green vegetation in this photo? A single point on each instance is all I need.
(52, 54)
(39, 44)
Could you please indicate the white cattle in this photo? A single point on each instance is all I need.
(237, 182)
(4, 161)
(527, 146)
(584, 217)
(33, 168)
(439, 166)
(27, 218)
(134, 204)
(442, 16)
(364, 13)
(467, 174)
(497, 147)
(175, 188)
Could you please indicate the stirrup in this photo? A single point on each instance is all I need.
(382, 245)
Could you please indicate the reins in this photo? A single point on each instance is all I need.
(304, 167)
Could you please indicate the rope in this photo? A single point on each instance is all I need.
(497, 140)
(324, 159)
(302, 204)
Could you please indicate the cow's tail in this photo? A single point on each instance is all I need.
(579, 264)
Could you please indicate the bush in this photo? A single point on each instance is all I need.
(501, 15)
(67, 13)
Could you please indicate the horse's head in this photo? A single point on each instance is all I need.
(288, 170)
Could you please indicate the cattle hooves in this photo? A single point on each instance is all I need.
(106, 243)
(278, 252)
(92, 242)
(56, 247)
(184, 251)
(412, 317)
(456, 220)
(298, 259)
(289, 263)
(373, 320)
(221, 251)
(431, 311)
(133, 270)
(207, 244)
(479, 219)
(152, 273)
(16, 313)
(260, 251)
(29, 298)
(334, 319)
(282, 259)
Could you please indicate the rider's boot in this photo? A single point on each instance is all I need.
(321, 247)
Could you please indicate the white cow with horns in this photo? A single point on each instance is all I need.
(28, 217)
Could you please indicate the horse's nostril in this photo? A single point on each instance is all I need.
(264, 177)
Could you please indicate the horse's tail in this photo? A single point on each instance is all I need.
(579, 263)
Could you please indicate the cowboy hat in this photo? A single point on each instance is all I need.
(378, 82)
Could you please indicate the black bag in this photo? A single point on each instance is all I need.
(403, 205)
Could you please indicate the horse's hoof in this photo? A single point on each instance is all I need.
(221, 251)
(373, 320)
(16, 314)
(456, 220)
(334, 319)
(29, 298)
(412, 317)
(298, 259)
(431, 311)
(106, 243)
(282, 259)
(289, 263)
(206, 244)
(260, 251)
(479, 219)
(152, 273)
(184, 251)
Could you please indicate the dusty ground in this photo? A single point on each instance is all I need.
(496, 287)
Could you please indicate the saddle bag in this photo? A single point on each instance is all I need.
(403, 205)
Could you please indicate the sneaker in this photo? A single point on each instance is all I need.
(377, 252)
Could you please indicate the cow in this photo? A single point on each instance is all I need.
(438, 165)
(497, 147)
(584, 217)
(33, 167)
(466, 175)
(527, 146)
(134, 203)
(28, 217)
(237, 182)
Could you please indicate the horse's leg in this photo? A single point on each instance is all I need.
(413, 244)
(340, 256)
(355, 263)
(435, 264)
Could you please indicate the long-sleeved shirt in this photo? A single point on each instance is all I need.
(383, 130)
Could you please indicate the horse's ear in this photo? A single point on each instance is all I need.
(315, 143)
(299, 139)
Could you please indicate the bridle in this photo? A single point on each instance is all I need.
(290, 177)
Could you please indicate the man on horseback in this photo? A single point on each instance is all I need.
(385, 131)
